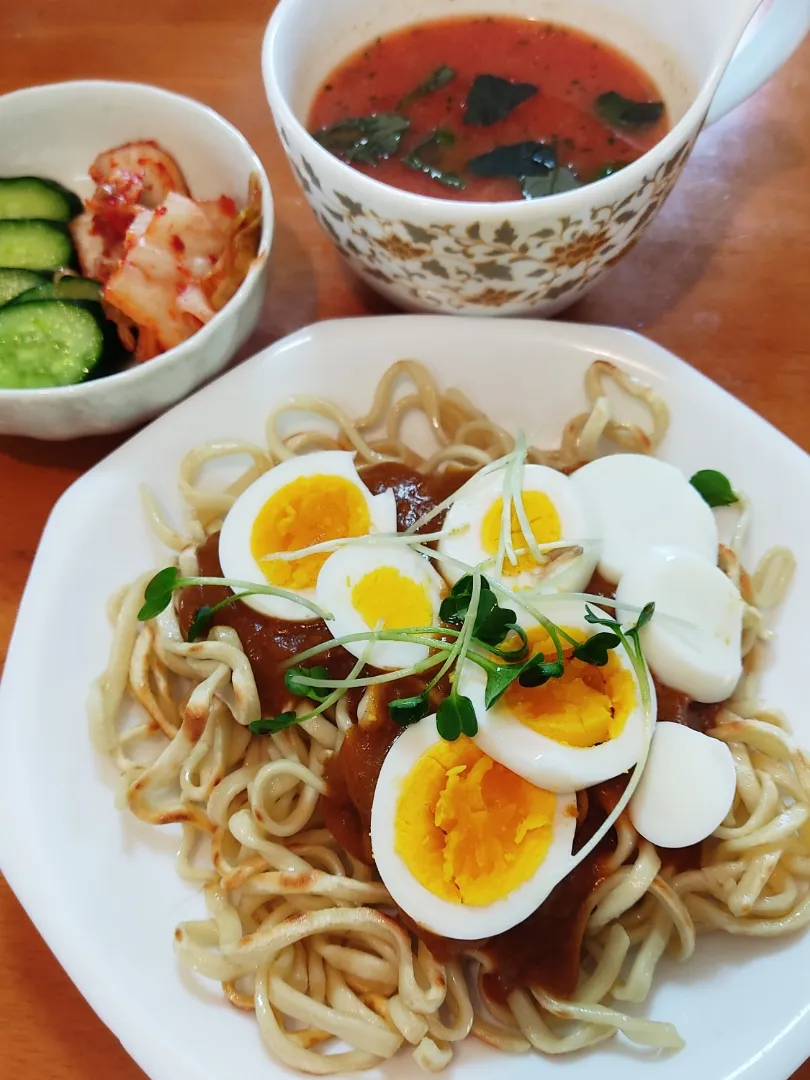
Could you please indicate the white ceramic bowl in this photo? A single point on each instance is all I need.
(511, 258)
(56, 131)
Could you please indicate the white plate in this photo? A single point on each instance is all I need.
(101, 887)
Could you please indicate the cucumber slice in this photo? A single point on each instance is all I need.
(69, 288)
(15, 282)
(35, 245)
(47, 343)
(33, 197)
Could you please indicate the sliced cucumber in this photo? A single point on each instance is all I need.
(35, 245)
(48, 343)
(15, 282)
(33, 197)
(69, 288)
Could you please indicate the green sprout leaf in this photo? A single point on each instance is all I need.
(448, 722)
(407, 711)
(630, 638)
(538, 670)
(273, 724)
(454, 607)
(426, 158)
(714, 488)
(158, 593)
(316, 693)
(645, 615)
(365, 139)
(466, 712)
(600, 620)
(464, 586)
(596, 649)
(456, 716)
(201, 623)
(620, 112)
(492, 98)
(492, 622)
(514, 654)
(499, 678)
(435, 81)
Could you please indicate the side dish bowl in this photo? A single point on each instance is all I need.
(56, 131)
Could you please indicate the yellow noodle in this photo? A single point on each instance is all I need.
(297, 929)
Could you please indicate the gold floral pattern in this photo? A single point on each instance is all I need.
(495, 297)
(584, 247)
(447, 267)
(400, 249)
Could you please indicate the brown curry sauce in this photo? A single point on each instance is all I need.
(544, 950)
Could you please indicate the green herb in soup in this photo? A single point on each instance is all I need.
(427, 157)
(555, 183)
(492, 99)
(620, 112)
(439, 78)
(365, 139)
(451, 108)
(534, 165)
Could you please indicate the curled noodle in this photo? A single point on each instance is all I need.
(297, 930)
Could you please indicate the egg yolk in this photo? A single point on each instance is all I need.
(307, 511)
(543, 519)
(588, 705)
(469, 830)
(387, 599)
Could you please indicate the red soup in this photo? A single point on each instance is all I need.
(488, 109)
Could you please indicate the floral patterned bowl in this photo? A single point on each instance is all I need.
(513, 258)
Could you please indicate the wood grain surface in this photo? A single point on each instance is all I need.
(722, 278)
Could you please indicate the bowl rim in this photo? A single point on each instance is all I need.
(459, 210)
(140, 372)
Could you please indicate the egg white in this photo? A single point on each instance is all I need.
(539, 759)
(466, 516)
(460, 921)
(700, 654)
(235, 556)
(687, 789)
(349, 565)
(641, 502)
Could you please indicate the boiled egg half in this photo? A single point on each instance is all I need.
(465, 847)
(555, 513)
(639, 503)
(687, 788)
(693, 642)
(301, 502)
(572, 732)
(379, 586)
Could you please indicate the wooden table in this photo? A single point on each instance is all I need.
(722, 278)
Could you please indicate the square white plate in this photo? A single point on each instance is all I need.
(101, 887)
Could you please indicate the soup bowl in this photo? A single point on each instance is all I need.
(523, 257)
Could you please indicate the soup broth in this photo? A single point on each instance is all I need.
(488, 109)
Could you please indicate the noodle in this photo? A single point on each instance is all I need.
(297, 929)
